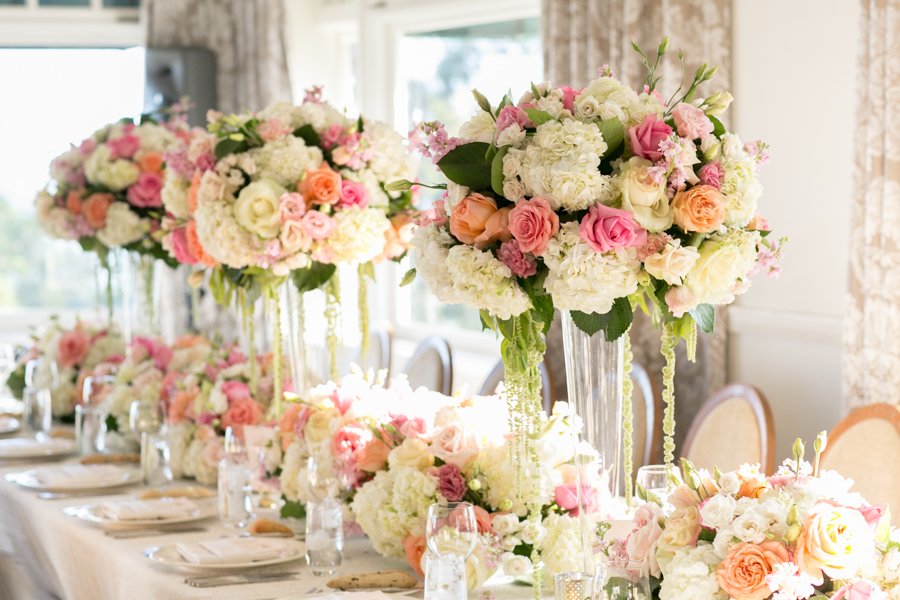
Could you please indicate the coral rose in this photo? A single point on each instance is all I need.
(835, 541)
(533, 223)
(151, 162)
(73, 346)
(699, 209)
(73, 202)
(94, 209)
(322, 186)
(373, 456)
(742, 575)
(414, 547)
(243, 412)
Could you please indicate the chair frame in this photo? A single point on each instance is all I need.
(493, 380)
(885, 412)
(652, 414)
(761, 412)
(439, 345)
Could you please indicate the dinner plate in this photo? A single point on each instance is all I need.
(93, 513)
(31, 479)
(169, 556)
(9, 425)
(18, 448)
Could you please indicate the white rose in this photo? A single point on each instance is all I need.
(513, 136)
(515, 565)
(480, 128)
(122, 226)
(587, 107)
(510, 542)
(718, 511)
(455, 193)
(532, 532)
(672, 263)
(257, 208)
(412, 453)
(293, 238)
(513, 189)
(645, 198)
(751, 527)
(721, 263)
(505, 525)
(730, 483)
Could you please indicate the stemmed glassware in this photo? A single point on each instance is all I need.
(451, 534)
(324, 517)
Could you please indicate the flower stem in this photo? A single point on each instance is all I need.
(363, 302)
(277, 378)
(627, 417)
(667, 349)
(333, 319)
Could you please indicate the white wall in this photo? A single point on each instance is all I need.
(794, 84)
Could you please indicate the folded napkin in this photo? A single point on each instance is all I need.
(231, 551)
(86, 476)
(144, 510)
(26, 446)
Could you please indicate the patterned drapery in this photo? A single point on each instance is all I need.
(872, 324)
(579, 37)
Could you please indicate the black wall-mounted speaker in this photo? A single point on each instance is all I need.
(173, 73)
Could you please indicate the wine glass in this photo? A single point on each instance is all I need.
(144, 417)
(656, 481)
(41, 373)
(451, 534)
(95, 388)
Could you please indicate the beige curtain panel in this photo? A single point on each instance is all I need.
(579, 37)
(872, 323)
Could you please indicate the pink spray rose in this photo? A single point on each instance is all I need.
(124, 146)
(568, 99)
(691, 122)
(532, 223)
(711, 174)
(353, 193)
(510, 115)
(861, 590)
(73, 346)
(605, 228)
(522, 265)
(451, 482)
(645, 138)
(293, 206)
(235, 391)
(331, 136)
(145, 193)
(873, 513)
(414, 428)
(317, 224)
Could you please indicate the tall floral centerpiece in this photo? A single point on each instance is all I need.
(297, 191)
(596, 202)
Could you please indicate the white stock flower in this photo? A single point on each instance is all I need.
(122, 226)
(484, 282)
(480, 128)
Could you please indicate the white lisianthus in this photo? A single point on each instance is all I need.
(532, 532)
(580, 278)
(552, 104)
(512, 136)
(515, 565)
(484, 282)
(116, 174)
(643, 197)
(455, 193)
(505, 524)
(285, 161)
(480, 128)
(718, 511)
(751, 527)
(691, 574)
(672, 263)
(122, 226)
(257, 208)
(730, 483)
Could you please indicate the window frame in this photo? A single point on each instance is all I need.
(95, 26)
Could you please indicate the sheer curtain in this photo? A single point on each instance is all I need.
(872, 325)
(582, 35)
(247, 37)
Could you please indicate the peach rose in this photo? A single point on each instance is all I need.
(73, 202)
(453, 446)
(94, 209)
(835, 541)
(192, 192)
(414, 547)
(242, 412)
(699, 209)
(322, 186)
(753, 487)
(472, 223)
(742, 575)
(181, 406)
(195, 247)
(373, 456)
(151, 162)
(73, 346)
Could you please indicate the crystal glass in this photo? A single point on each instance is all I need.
(445, 577)
(625, 585)
(235, 492)
(451, 534)
(575, 585)
(95, 388)
(321, 477)
(37, 411)
(655, 480)
(90, 428)
(41, 373)
(324, 535)
(145, 420)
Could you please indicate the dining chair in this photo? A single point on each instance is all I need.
(495, 378)
(865, 446)
(733, 427)
(378, 355)
(646, 406)
(431, 366)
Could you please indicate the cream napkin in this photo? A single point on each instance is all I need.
(231, 551)
(144, 510)
(85, 476)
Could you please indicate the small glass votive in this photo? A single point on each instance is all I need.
(575, 585)
(324, 535)
(445, 577)
(37, 410)
(90, 429)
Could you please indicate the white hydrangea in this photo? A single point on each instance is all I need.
(359, 235)
(285, 112)
(480, 128)
(175, 195)
(320, 115)
(377, 512)
(219, 233)
(122, 226)
(430, 247)
(484, 282)
(607, 98)
(493, 463)
(562, 549)
(154, 137)
(292, 484)
(691, 574)
(390, 159)
(285, 161)
(101, 169)
(579, 278)
(562, 164)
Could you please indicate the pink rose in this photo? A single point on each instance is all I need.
(353, 193)
(861, 590)
(451, 482)
(348, 441)
(293, 206)
(73, 346)
(453, 446)
(569, 96)
(317, 224)
(711, 174)
(522, 265)
(236, 390)
(243, 412)
(566, 496)
(605, 228)
(272, 129)
(124, 146)
(645, 138)
(873, 513)
(145, 193)
(691, 122)
(414, 428)
(512, 114)
(331, 136)
(640, 544)
(181, 248)
(532, 223)
(483, 520)
(342, 402)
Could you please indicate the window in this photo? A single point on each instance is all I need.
(70, 93)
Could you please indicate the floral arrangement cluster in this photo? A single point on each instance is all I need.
(106, 192)
(75, 352)
(798, 534)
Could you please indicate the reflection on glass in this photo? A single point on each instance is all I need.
(437, 71)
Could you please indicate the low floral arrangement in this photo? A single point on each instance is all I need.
(295, 192)
(801, 533)
(75, 351)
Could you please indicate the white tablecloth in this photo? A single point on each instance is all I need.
(45, 554)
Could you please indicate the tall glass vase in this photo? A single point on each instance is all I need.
(594, 373)
(295, 332)
(145, 281)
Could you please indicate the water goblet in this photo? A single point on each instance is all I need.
(451, 534)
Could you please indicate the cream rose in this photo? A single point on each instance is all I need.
(258, 208)
(835, 541)
(412, 453)
(682, 528)
(644, 197)
(452, 445)
(672, 263)
(318, 427)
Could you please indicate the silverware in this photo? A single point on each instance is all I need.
(221, 580)
(124, 534)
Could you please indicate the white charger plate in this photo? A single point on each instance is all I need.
(93, 513)
(31, 480)
(19, 448)
(9, 425)
(169, 556)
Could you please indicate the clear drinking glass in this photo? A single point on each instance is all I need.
(235, 492)
(655, 480)
(575, 585)
(38, 410)
(625, 585)
(41, 373)
(90, 428)
(451, 533)
(95, 388)
(324, 535)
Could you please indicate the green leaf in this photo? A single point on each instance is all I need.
(367, 270)
(488, 321)
(718, 128)
(408, 278)
(497, 171)
(111, 423)
(613, 324)
(541, 302)
(293, 510)
(229, 146)
(483, 102)
(466, 165)
(705, 317)
(590, 323)
(308, 135)
(538, 117)
(613, 134)
(313, 276)
(16, 382)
